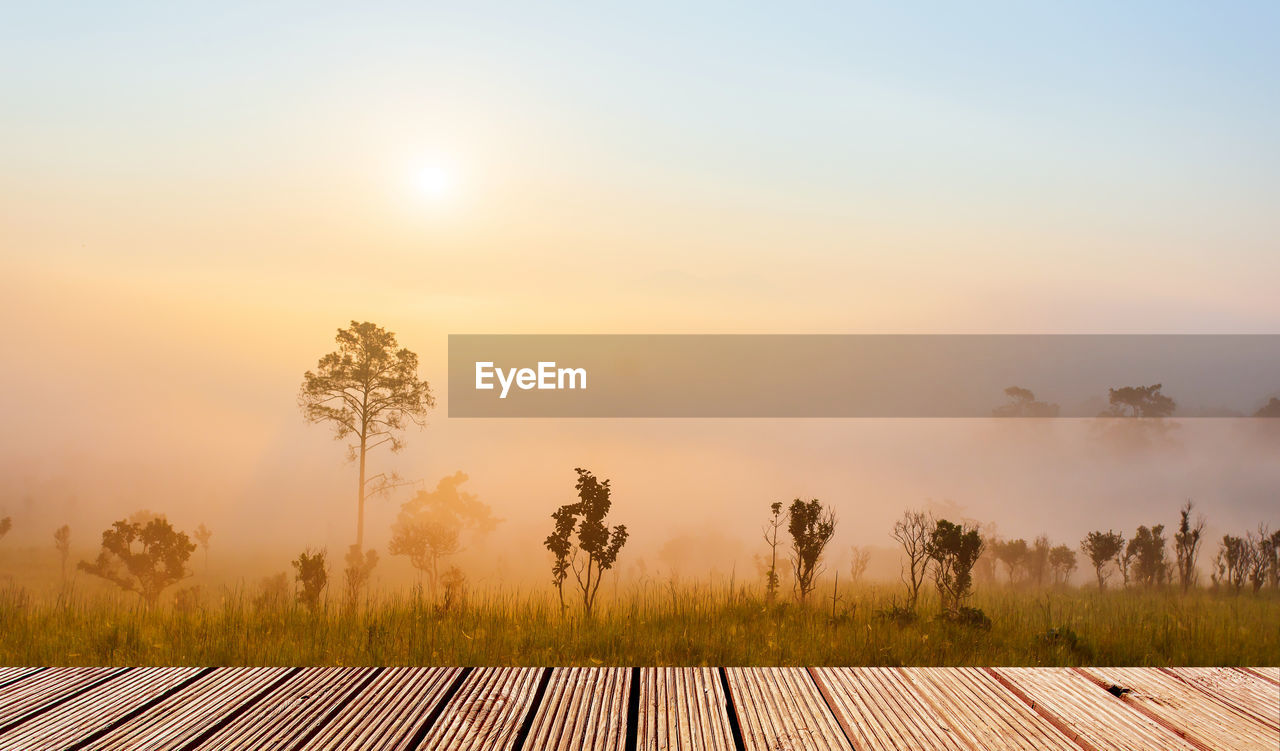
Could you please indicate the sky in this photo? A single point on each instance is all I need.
(193, 198)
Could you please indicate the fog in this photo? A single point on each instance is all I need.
(206, 430)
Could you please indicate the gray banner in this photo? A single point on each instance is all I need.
(857, 375)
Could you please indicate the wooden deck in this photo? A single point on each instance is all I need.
(654, 709)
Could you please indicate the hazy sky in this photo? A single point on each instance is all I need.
(193, 199)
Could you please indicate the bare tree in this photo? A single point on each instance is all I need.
(369, 390)
(912, 533)
(1102, 548)
(142, 558)
(811, 527)
(1259, 558)
(770, 532)
(203, 535)
(1186, 545)
(859, 559)
(1231, 563)
(596, 547)
(62, 543)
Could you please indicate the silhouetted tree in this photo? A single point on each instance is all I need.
(1062, 560)
(1146, 550)
(203, 535)
(1186, 546)
(311, 575)
(6, 524)
(859, 559)
(1259, 557)
(811, 527)
(1103, 548)
(142, 558)
(912, 533)
(1271, 550)
(1139, 401)
(1013, 554)
(369, 390)
(1231, 563)
(770, 532)
(62, 543)
(1270, 409)
(954, 549)
(1022, 403)
(358, 571)
(430, 525)
(595, 549)
(1038, 560)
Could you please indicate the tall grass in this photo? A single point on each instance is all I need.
(645, 625)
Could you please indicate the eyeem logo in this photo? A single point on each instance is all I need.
(546, 377)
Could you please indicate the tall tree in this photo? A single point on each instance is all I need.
(770, 532)
(912, 533)
(369, 391)
(594, 549)
(811, 527)
(6, 524)
(62, 543)
(1186, 545)
(1102, 548)
(1013, 554)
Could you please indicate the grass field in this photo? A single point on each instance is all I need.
(645, 626)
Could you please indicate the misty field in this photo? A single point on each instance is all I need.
(651, 625)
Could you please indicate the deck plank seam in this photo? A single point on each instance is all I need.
(735, 727)
(526, 725)
(217, 727)
(1256, 674)
(333, 713)
(419, 735)
(138, 710)
(841, 722)
(1137, 707)
(22, 677)
(54, 704)
(1043, 711)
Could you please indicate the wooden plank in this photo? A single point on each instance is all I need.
(780, 709)
(389, 712)
(487, 712)
(181, 718)
(984, 713)
(1089, 711)
(1271, 674)
(1246, 692)
(1188, 711)
(291, 712)
(683, 709)
(881, 710)
(30, 695)
(584, 709)
(96, 708)
(12, 675)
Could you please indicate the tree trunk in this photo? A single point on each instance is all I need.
(360, 502)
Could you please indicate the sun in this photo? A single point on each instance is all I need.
(434, 181)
